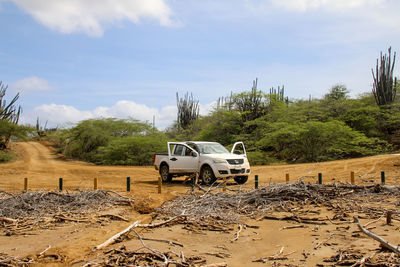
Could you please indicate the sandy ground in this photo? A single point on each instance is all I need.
(74, 241)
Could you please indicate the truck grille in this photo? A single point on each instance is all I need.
(235, 161)
(233, 171)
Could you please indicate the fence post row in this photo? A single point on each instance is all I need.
(192, 182)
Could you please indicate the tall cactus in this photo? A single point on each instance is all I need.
(384, 87)
(188, 110)
(9, 112)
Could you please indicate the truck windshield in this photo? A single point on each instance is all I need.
(212, 148)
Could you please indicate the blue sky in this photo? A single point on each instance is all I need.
(79, 59)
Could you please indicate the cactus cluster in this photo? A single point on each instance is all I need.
(385, 86)
(188, 110)
(9, 112)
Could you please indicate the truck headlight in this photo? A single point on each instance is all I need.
(219, 160)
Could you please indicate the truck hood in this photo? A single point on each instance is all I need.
(224, 156)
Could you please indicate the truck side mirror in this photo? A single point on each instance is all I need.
(194, 154)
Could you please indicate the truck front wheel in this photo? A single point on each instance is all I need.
(207, 175)
(165, 175)
(240, 179)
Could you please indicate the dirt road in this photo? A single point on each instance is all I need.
(42, 166)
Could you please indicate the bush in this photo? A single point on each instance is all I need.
(260, 158)
(6, 156)
(318, 141)
(133, 150)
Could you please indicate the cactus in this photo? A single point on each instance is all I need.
(9, 112)
(188, 110)
(384, 87)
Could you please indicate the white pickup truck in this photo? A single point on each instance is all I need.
(210, 159)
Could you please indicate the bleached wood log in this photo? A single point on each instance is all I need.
(153, 225)
(377, 238)
(116, 236)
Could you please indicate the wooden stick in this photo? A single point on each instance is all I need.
(237, 233)
(377, 238)
(160, 223)
(113, 216)
(171, 242)
(371, 222)
(222, 264)
(116, 236)
(294, 226)
(41, 253)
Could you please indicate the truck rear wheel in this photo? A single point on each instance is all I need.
(166, 177)
(207, 175)
(241, 179)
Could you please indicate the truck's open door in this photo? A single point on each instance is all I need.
(182, 158)
(239, 149)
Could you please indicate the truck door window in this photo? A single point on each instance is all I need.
(188, 152)
(178, 150)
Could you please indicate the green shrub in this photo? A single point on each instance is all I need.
(6, 156)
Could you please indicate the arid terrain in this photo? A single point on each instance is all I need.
(71, 243)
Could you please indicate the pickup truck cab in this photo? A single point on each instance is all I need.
(210, 160)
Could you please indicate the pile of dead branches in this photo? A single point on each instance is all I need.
(123, 257)
(6, 260)
(42, 204)
(229, 207)
(352, 257)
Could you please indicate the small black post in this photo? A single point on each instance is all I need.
(320, 178)
(192, 181)
(60, 184)
(128, 184)
(256, 182)
(383, 177)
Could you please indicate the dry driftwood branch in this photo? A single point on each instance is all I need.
(63, 218)
(156, 252)
(222, 264)
(294, 226)
(323, 242)
(371, 222)
(170, 242)
(237, 233)
(153, 225)
(114, 216)
(377, 238)
(276, 256)
(116, 236)
(319, 221)
(44, 251)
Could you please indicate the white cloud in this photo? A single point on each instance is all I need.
(91, 16)
(61, 115)
(64, 114)
(31, 84)
(304, 5)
